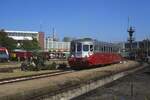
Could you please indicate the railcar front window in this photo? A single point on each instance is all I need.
(85, 47)
(79, 46)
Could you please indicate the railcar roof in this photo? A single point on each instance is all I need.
(83, 40)
(95, 41)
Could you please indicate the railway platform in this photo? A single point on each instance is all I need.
(132, 87)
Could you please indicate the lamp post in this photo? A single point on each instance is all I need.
(131, 39)
(147, 47)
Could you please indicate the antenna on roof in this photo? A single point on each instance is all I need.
(128, 22)
(53, 33)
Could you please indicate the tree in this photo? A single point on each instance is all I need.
(67, 39)
(30, 45)
(6, 41)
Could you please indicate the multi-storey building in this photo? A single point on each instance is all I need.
(27, 35)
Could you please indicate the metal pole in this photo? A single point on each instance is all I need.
(147, 47)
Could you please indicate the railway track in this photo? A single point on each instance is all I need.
(31, 77)
(8, 69)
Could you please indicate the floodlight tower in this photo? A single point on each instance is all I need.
(131, 30)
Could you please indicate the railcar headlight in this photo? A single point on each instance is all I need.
(90, 53)
(72, 56)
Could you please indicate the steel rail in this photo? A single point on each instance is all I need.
(31, 77)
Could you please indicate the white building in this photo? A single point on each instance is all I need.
(22, 35)
(57, 49)
(27, 35)
(57, 46)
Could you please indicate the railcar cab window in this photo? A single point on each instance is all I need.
(85, 47)
(79, 46)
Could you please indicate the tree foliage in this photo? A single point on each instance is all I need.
(68, 39)
(6, 41)
(30, 45)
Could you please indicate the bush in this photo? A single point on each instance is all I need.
(52, 66)
(49, 67)
(62, 66)
(37, 66)
(33, 68)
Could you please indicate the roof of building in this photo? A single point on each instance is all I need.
(21, 38)
(9, 31)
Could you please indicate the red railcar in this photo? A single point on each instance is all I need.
(21, 54)
(87, 53)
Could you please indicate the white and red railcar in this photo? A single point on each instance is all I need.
(86, 53)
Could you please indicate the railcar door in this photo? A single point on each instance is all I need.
(87, 50)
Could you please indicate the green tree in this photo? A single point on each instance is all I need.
(6, 41)
(68, 39)
(30, 45)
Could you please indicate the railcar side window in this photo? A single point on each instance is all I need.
(96, 47)
(79, 46)
(110, 49)
(104, 49)
(85, 47)
(91, 47)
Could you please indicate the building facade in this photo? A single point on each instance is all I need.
(57, 48)
(27, 35)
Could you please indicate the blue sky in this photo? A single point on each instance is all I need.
(105, 20)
